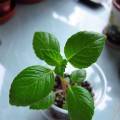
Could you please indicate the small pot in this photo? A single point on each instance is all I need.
(99, 83)
(28, 1)
(6, 16)
(113, 29)
(59, 113)
(5, 7)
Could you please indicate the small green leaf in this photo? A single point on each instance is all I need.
(60, 69)
(46, 41)
(52, 57)
(65, 106)
(45, 103)
(80, 103)
(83, 48)
(31, 85)
(78, 76)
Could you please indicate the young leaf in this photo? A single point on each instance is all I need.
(83, 48)
(60, 69)
(80, 103)
(31, 85)
(65, 106)
(45, 103)
(78, 76)
(52, 57)
(46, 41)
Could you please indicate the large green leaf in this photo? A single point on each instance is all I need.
(78, 76)
(46, 41)
(80, 103)
(83, 48)
(52, 57)
(31, 85)
(60, 69)
(45, 103)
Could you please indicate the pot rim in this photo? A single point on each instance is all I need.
(59, 109)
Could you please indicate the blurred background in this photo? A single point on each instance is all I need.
(21, 18)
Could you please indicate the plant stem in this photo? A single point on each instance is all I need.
(59, 91)
(64, 85)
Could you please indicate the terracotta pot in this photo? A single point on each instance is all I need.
(28, 1)
(5, 7)
(6, 16)
(113, 28)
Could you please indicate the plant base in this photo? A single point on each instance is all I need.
(57, 110)
(98, 82)
(60, 97)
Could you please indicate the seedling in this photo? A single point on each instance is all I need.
(33, 86)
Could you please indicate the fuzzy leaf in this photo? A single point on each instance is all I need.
(46, 41)
(60, 69)
(65, 106)
(31, 85)
(78, 76)
(45, 103)
(83, 48)
(80, 103)
(52, 57)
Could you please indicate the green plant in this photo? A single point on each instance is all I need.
(33, 86)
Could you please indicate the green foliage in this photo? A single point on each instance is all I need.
(44, 41)
(33, 86)
(52, 57)
(83, 48)
(65, 106)
(78, 76)
(60, 69)
(80, 103)
(45, 103)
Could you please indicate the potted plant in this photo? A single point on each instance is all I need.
(28, 1)
(35, 85)
(7, 10)
(113, 29)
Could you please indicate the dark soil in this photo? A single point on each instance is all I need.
(60, 98)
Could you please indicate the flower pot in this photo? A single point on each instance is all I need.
(6, 16)
(28, 1)
(113, 29)
(98, 82)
